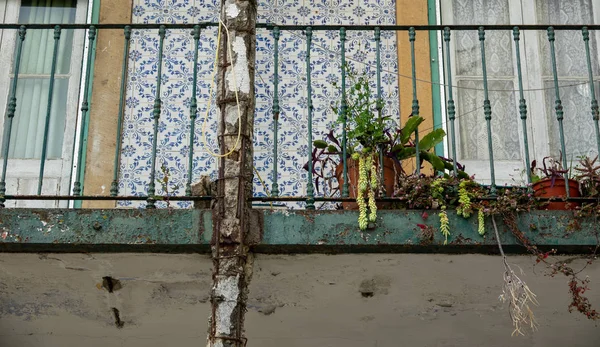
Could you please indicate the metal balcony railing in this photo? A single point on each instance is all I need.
(450, 106)
(77, 192)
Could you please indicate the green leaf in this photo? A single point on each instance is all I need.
(409, 128)
(406, 153)
(433, 138)
(448, 165)
(462, 174)
(332, 149)
(397, 148)
(320, 144)
(435, 161)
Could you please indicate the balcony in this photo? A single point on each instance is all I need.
(139, 134)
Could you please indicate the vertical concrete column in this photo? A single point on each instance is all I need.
(104, 111)
(231, 215)
(410, 12)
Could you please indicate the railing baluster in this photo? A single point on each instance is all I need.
(522, 103)
(450, 104)
(57, 32)
(151, 201)
(12, 108)
(84, 111)
(586, 39)
(343, 110)
(487, 111)
(275, 185)
(379, 100)
(193, 110)
(114, 186)
(415, 101)
(558, 105)
(310, 200)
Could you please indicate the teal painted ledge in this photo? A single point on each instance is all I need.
(414, 231)
(82, 230)
(281, 231)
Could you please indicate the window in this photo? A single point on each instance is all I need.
(34, 80)
(507, 134)
(32, 93)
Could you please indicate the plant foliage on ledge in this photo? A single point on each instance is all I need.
(371, 138)
(375, 149)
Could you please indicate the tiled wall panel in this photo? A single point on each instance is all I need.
(174, 124)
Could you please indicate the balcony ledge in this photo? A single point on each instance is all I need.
(282, 231)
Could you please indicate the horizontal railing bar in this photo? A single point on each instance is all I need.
(104, 197)
(270, 26)
(255, 199)
(26, 76)
(396, 199)
(117, 26)
(495, 78)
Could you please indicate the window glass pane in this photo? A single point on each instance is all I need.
(469, 79)
(580, 137)
(473, 134)
(28, 124)
(498, 43)
(571, 65)
(34, 80)
(39, 44)
(570, 51)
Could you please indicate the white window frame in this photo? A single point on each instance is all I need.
(64, 167)
(509, 172)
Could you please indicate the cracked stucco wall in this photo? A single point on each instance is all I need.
(297, 301)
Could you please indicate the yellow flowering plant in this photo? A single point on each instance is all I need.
(367, 136)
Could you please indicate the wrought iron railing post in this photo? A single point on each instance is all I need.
(275, 185)
(415, 101)
(487, 111)
(558, 105)
(450, 105)
(379, 104)
(310, 200)
(10, 114)
(151, 201)
(57, 32)
(193, 111)
(594, 103)
(522, 102)
(343, 111)
(114, 186)
(77, 189)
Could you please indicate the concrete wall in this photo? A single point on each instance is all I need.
(295, 301)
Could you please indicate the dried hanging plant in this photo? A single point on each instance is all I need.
(518, 295)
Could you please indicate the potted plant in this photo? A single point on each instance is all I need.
(549, 181)
(368, 135)
(588, 176)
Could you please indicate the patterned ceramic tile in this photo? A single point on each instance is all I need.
(177, 75)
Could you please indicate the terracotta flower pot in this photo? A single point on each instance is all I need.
(545, 189)
(390, 167)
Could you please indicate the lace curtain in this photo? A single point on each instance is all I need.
(469, 75)
(580, 138)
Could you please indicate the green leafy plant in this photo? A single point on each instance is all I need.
(588, 176)
(368, 135)
(465, 206)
